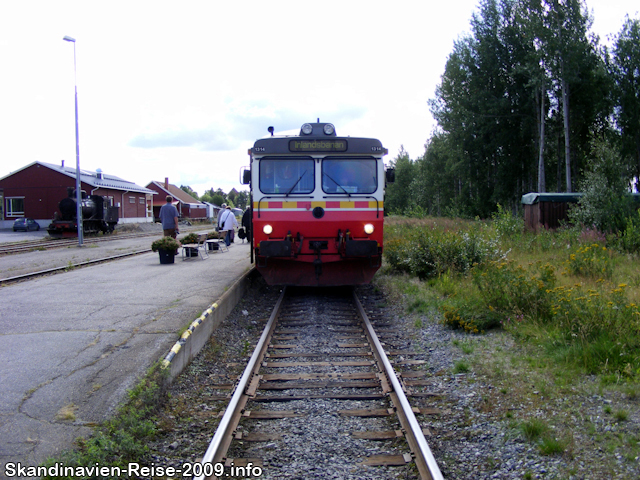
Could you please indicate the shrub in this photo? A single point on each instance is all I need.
(630, 238)
(590, 261)
(428, 253)
(165, 243)
(513, 291)
(506, 224)
(605, 203)
(189, 238)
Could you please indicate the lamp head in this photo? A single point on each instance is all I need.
(69, 39)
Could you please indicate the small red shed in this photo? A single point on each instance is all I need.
(547, 210)
(188, 207)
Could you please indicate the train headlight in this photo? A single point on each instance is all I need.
(329, 129)
(267, 229)
(368, 229)
(307, 129)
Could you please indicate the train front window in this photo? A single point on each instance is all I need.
(348, 175)
(287, 176)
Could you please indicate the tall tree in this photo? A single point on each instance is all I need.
(626, 73)
(397, 198)
(568, 46)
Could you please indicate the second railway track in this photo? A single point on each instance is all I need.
(319, 397)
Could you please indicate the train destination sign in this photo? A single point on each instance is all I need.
(318, 145)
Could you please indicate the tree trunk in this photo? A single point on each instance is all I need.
(567, 145)
(541, 176)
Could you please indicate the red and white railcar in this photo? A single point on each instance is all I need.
(317, 202)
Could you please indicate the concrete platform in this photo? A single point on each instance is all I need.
(77, 341)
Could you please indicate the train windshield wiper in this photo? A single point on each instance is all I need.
(294, 185)
(343, 189)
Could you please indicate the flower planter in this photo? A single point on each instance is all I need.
(167, 256)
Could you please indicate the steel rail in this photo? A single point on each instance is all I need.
(217, 450)
(51, 243)
(416, 431)
(40, 273)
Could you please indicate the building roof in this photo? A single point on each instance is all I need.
(533, 198)
(176, 192)
(95, 179)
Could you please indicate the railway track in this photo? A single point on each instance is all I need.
(320, 376)
(48, 243)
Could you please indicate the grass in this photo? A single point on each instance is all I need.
(562, 312)
(123, 438)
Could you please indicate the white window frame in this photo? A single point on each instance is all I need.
(9, 210)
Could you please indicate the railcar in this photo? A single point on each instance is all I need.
(98, 215)
(317, 207)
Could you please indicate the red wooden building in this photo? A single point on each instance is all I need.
(188, 207)
(547, 210)
(35, 190)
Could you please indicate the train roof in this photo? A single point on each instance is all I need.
(315, 138)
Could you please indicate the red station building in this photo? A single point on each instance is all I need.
(35, 190)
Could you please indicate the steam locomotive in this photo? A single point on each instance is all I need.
(98, 215)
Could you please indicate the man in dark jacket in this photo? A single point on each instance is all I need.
(169, 218)
(246, 223)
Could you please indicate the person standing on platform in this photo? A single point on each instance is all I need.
(227, 222)
(246, 223)
(169, 218)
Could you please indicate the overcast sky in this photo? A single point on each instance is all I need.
(183, 89)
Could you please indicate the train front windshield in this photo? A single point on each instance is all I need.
(341, 175)
(287, 175)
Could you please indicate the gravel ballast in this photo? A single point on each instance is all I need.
(486, 388)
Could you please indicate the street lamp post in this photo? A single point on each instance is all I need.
(78, 183)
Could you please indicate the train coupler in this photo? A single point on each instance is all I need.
(316, 246)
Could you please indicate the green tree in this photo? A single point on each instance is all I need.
(188, 189)
(606, 203)
(242, 199)
(486, 106)
(527, 75)
(434, 185)
(626, 73)
(397, 198)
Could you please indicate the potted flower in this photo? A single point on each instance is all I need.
(166, 248)
(190, 238)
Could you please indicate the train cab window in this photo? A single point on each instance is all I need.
(287, 176)
(341, 175)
